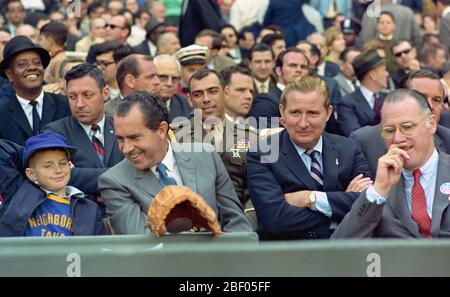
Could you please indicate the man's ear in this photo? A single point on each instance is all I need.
(226, 90)
(130, 80)
(278, 71)
(105, 93)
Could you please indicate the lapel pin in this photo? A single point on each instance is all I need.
(112, 132)
(445, 189)
(337, 162)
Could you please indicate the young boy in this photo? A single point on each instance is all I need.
(43, 205)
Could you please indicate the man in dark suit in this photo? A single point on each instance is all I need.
(362, 107)
(409, 197)
(31, 108)
(301, 186)
(168, 71)
(262, 63)
(324, 68)
(197, 15)
(148, 47)
(405, 57)
(429, 85)
(444, 30)
(87, 128)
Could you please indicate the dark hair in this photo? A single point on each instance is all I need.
(93, 7)
(314, 49)
(56, 31)
(398, 42)
(246, 29)
(421, 73)
(260, 47)
(279, 62)
(270, 39)
(217, 38)
(86, 69)
(133, 19)
(275, 28)
(129, 65)
(388, 14)
(430, 50)
(119, 50)
(229, 26)
(202, 73)
(228, 72)
(152, 109)
(348, 50)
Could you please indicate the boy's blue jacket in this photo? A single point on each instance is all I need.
(21, 197)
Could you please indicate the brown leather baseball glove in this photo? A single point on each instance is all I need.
(177, 208)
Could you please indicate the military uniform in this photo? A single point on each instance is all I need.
(235, 142)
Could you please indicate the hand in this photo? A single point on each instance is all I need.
(389, 169)
(413, 65)
(299, 198)
(359, 184)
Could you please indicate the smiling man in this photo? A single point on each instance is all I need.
(142, 124)
(308, 189)
(409, 196)
(31, 108)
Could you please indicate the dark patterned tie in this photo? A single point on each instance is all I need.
(419, 206)
(164, 178)
(316, 171)
(36, 118)
(376, 108)
(96, 143)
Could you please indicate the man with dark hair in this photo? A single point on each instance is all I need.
(154, 28)
(246, 40)
(276, 43)
(433, 56)
(405, 57)
(290, 65)
(302, 187)
(408, 198)
(213, 41)
(346, 78)
(262, 64)
(87, 128)
(52, 38)
(430, 86)
(135, 73)
(152, 161)
(238, 91)
(24, 114)
(15, 15)
(108, 54)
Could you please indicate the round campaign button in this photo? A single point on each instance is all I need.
(445, 188)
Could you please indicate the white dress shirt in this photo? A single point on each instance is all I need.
(100, 136)
(171, 165)
(28, 108)
(368, 95)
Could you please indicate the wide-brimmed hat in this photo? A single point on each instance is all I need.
(19, 44)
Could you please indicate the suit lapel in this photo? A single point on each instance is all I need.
(441, 201)
(330, 164)
(363, 106)
(295, 163)
(147, 181)
(398, 204)
(48, 109)
(110, 139)
(186, 169)
(18, 115)
(84, 142)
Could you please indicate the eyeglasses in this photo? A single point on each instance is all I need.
(406, 51)
(407, 129)
(163, 78)
(103, 64)
(112, 26)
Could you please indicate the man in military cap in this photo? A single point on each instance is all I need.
(191, 58)
(218, 121)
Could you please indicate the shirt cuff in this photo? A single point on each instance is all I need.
(322, 205)
(374, 197)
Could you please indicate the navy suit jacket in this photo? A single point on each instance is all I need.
(88, 166)
(331, 69)
(354, 112)
(200, 14)
(342, 160)
(289, 16)
(445, 118)
(179, 107)
(142, 48)
(14, 124)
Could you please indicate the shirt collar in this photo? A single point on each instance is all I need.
(168, 161)
(281, 86)
(25, 102)
(70, 192)
(368, 94)
(101, 124)
(317, 147)
(427, 169)
(321, 69)
(258, 83)
(390, 37)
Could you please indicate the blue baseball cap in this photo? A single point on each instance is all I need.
(45, 140)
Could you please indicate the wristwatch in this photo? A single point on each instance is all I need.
(312, 199)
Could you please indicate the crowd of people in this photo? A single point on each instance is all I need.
(293, 119)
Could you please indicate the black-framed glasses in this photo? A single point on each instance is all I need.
(103, 64)
(163, 78)
(112, 26)
(406, 51)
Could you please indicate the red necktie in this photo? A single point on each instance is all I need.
(419, 206)
(96, 143)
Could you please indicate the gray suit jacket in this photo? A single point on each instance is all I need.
(344, 87)
(373, 146)
(393, 219)
(128, 192)
(444, 31)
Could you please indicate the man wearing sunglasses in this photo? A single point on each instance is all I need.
(409, 197)
(117, 28)
(405, 58)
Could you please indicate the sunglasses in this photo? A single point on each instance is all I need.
(399, 54)
(112, 26)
